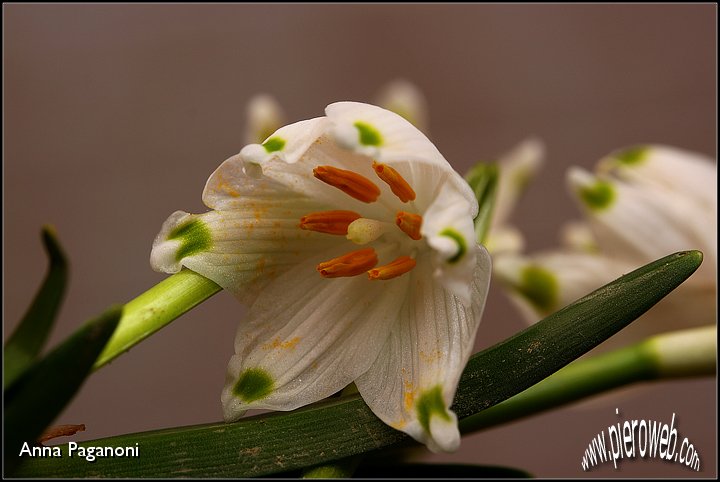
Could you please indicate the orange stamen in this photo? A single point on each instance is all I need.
(330, 222)
(409, 224)
(399, 267)
(397, 183)
(349, 182)
(351, 264)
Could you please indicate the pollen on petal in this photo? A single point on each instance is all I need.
(349, 182)
(398, 185)
(399, 267)
(330, 222)
(350, 264)
(409, 223)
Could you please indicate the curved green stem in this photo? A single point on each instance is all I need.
(155, 308)
(686, 353)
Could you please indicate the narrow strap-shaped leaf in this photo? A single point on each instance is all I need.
(42, 392)
(684, 353)
(281, 442)
(28, 339)
(535, 353)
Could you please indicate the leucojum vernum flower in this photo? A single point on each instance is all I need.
(351, 239)
(642, 203)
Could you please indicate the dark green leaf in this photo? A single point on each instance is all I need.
(281, 442)
(41, 393)
(28, 339)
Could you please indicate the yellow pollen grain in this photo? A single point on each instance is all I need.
(409, 398)
(399, 425)
(430, 357)
(282, 345)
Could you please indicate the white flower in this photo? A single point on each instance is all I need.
(352, 239)
(515, 168)
(404, 98)
(264, 116)
(643, 203)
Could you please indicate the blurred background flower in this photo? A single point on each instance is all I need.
(641, 203)
(115, 115)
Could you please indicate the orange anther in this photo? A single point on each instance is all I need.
(349, 182)
(397, 183)
(409, 224)
(400, 266)
(331, 222)
(351, 264)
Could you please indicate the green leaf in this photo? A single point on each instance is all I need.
(28, 339)
(684, 353)
(338, 428)
(42, 392)
(483, 179)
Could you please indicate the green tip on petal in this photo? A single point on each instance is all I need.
(369, 136)
(597, 196)
(539, 287)
(632, 156)
(459, 240)
(253, 384)
(194, 237)
(431, 404)
(274, 144)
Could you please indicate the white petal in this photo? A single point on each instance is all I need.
(504, 239)
(264, 116)
(285, 145)
(544, 283)
(310, 337)
(690, 174)
(517, 168)
(412, 384)
(254, 237)
(406, 100)
(388, 138)
(448, 228)
(578, 236)
(638, 223)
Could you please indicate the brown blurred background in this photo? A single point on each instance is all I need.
(115, 115)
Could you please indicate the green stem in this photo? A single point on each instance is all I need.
(687, 353)
(155, 308)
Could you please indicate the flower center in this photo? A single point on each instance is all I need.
(362, 230)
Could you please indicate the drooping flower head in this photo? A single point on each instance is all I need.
(642, 203)
(352, 239)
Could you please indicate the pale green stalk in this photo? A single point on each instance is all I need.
(155, 308)
(679, 354)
